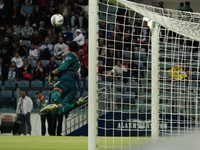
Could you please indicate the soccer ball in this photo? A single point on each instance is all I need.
(57, 20)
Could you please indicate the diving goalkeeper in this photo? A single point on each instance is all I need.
(66, 88)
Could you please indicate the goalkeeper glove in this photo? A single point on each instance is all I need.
(51, 78)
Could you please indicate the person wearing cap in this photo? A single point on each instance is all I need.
(66, 88)
(41, 102)
(80, 39)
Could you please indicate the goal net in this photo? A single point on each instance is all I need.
(148, 62)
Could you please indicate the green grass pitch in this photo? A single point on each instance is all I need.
(62, 142)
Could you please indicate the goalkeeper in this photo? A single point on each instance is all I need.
(66, 88)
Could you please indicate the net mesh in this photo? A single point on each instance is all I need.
(125, 60)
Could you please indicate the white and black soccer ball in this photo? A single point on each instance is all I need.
(57, 20)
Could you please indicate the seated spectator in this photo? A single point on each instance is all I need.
(16, 29)
(42, 29)
(33, 52)
(26, 11)
(82, 56)
(60, 49)
(3, 30)
(36, 39)
(16, 12)
(83, 71)
(51, 36)
(65, 11)
(13, 38)
(17, 59)
(22, 49)
(60, 34)
(86, 46)
(104, 27)
(181, 7)
(46, 50)
(3, 13)
(3, 70)
(50, 67)
(51, 10)
(102, 49)
(43, 5)
(27, 31)
(86, 17)
(77, 16)
(12, 71)
(37, 16)
(5, 56)
(39, 72)
(187, 7)
(115, 41)
(24, 72)
(118, 70)
(8, 46)
(127, 42)
(79, 37)
(109, 61)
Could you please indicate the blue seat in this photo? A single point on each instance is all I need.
(100, 62)
(131, 86)
(27, 43)
(47, 86)
(85, 94)
(86, 85)
(6, 99)
(100, 78)
(32, 63)
(47, 93)
(129, 97)
(33, 97)
(23, 85)
(10, 85)
(104, 84)
(0, 85)
(37, 85)
(68, 35)
(59, 62)
(127, 54)
(45, 62)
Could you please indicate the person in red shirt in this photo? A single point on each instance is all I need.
(83, 56)
(36, 39)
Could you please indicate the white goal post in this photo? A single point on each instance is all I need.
(147, 60)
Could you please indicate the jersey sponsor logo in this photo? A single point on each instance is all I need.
(68, 58)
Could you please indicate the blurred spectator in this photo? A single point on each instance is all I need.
(26, 11)
(43, 4)
(10, 6)
(187, 7)
(127, 42)
(109, 61)
(143, 33)
(86, 17)
(12, 71)
(22, 49)
(33, 52)
(118, 70)
(24, 72)
(115, 41)
(82, 56)
(57, 121)
(60, 49)
(16, 12)
(42, 29)
(77, 16)
(37, 16)
(27, 31)
(79, 37)
(50, 67)
(3, 70)
(83, 71)
(17, 59)
(51, 36)
(86, 46)
(51, 10)
(5, 56)
(3, 13)
(13, 38)
(102, 49)
(16, 28)
(39, 72)
(65, 11)
(46, 50)
(60, 34)
(105, 30)
(119, 29)
(3, 30)
(161, 4)
(36, 39)
(181, 7)
(8, 46)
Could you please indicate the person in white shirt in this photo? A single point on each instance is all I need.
(33, 52)
(118, 70)
(47, 45)
(60, 49)
(24, 108)
(79, 37)
(27, 31)
(18, 60)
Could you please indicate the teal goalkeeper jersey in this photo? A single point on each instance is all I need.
(71, 62)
